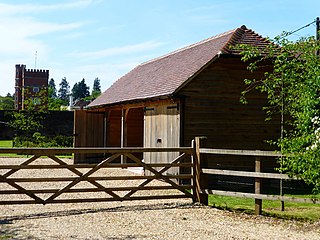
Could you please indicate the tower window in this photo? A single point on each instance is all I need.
(35, 89)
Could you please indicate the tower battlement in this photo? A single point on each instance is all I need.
(28, 84)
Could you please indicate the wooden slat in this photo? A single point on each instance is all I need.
(240, 152)
(112, 165)
(247, 174)
(57, 151)
(83, 200)
(111, 178)
(85, 190)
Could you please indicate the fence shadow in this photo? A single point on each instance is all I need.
(72, 212)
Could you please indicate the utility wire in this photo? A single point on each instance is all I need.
(292, 32)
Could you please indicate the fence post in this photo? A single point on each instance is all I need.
(257, 187)
(198, 180)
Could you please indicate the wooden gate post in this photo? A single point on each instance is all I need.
(257, 187)
(198, 179)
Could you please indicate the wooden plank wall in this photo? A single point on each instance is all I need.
(134, 123)
(114, 128)
(212, 108)
(89, 132)
(162, 129)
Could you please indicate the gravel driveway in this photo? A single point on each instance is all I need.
(154, 219)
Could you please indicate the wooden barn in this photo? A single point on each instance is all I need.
(193, 91)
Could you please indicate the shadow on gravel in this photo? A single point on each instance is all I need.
(147, 207)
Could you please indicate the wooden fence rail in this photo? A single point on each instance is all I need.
(188, 157)
(202, 193)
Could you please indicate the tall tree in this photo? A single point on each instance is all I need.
(96, 90)
(293, 90)
(80, 90)
(64, 91)
(52, 91)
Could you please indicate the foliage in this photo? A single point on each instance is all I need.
(80, 90)
(64, 91)
(96, 90)
(55, 104)
(38, 140)
(7, 102)
(29, 120)
(52, 91)
(292, 89)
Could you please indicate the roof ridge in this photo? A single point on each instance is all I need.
(189, 46)
(239, 35)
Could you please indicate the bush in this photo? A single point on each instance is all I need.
(39, 140)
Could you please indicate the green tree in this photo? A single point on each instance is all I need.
(54, 103)
(7, 102)
(52, 91)
(64, 91)
(96, 90)
(293, 90)
(80, 90)
(27, 122)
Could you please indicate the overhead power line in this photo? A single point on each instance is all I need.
(292, 32)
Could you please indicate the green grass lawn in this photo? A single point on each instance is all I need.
(297, 211)
(6, 143)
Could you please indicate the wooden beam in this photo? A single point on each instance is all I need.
(257, 187)
(240, 152)
(247, 174)
(57, 151)
(111, 178)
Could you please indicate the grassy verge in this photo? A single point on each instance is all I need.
(8, 144)
(297, 211)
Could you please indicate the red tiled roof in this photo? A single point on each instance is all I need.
(164, 75)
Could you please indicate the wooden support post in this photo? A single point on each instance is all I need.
(257, 187)
(198, 180)
(123, 133)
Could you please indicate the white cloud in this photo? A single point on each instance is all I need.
(122, 50)
(11, 9)
(22, 35)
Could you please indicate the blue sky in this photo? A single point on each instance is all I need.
(106, 38)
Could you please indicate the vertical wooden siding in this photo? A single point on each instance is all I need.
(114, 128)
(134, 122)
(89, 132)
(162, 129)
(212, 108)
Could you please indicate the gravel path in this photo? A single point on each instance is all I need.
(154, 219)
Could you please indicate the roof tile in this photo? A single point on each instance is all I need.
(164, 75)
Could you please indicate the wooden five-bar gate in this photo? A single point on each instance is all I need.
(22, 177)
(94, 183)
